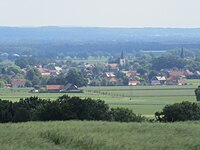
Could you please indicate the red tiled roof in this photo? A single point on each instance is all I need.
(18, 82)
(54, 87)
(176, 73)
(113, 65)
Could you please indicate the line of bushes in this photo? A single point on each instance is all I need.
(63, 108)
(75, 108)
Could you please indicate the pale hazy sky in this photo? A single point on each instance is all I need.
(110, 13)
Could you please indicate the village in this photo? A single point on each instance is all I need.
(54, 77)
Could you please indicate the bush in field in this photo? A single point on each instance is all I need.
(179, 112)
(125, 115)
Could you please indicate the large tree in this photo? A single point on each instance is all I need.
(76, 77)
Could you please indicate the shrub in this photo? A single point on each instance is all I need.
(125, 115)
(179, 112)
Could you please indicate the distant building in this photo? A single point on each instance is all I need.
(62, 88)
(18, 83)
(54, 88)
(175, 80)
(109, 74)
(113, 67)
(158, 80)
(133, 83)
(122, 60)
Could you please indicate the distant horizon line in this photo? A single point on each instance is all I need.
(111, 27)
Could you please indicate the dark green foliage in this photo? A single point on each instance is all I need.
(21, 115)
(125, 115)
(179, 112)
(168, 62)
(76, 77)
(64, 108)
(49, 111)
(197, 93)
(87, 109)
(5, 111)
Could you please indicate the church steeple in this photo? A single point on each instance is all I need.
(122, 60)
(122, 55)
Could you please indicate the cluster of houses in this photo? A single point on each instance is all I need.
(170, 77)
(174, 77)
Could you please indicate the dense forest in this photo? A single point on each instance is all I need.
(51, 42)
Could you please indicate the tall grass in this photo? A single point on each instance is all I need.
(77, 135)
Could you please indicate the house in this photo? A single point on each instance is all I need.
(18, 83)
(54, 73)
(113, 67)
(44, 71)
(158, 80)
(58, 69)
(128, 74)
(62, 88)
(54, 88)
(175, 80)
(188, 73)
(176, 73)
(133, 83)
(109, 74)
(70, 87)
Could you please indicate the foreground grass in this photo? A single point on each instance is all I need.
(77, 135)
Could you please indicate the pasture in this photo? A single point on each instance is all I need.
(144, 100)
(91, 135)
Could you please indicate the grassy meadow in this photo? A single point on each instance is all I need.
(85, 135)
(144, 100)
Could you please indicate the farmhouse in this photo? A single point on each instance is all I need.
(18, 83)
(54, 88)
(175, 80)
(62, 88)
(158, 80)
(70, 87)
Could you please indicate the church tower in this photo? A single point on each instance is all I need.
(122, 60)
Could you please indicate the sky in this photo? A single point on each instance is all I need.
(101, 13)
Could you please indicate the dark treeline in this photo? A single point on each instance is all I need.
(64, 108)
(52, 42)
(75, 108)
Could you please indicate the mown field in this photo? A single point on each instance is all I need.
(85, 135)
(145, 100)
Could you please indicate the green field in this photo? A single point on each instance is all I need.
(85, 135)
(145, 100)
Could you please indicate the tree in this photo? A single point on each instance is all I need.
(197, 93)
(179, 112)
(76, 77)
(33, 75)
